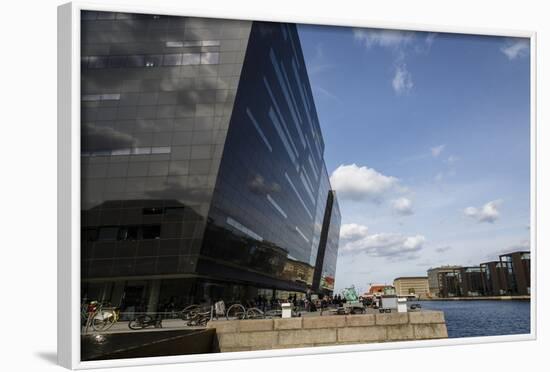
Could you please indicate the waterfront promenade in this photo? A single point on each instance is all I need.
(311, 329)
(176, 324)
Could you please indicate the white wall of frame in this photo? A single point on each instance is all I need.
(29, 157)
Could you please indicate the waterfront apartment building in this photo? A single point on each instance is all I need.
(203, 175)
(517, 266)
(412, 285)
(461, 282)
(495, 278)
(434, 282)
(511, 276)
(471, 281)
(450, 283)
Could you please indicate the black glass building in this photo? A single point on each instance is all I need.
(202, 163)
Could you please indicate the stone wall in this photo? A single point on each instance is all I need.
(261, 334)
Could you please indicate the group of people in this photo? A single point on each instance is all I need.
(337, 300)
(306, 303)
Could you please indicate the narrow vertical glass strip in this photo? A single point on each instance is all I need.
(274, 101)
(298, 194)
(258, 129)
(276, 206)
(281, 134)
(282, 84)
(302, 234)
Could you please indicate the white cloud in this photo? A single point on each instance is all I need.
(402, 206)
(487, 213)
(356, 239)
(361, 183)
(400, 43)
(402, 79)
(352, 231)
(436, 151)
(383, 38)
(516, 48)
(471, 211)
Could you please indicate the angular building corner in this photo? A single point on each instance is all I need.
(202, 164)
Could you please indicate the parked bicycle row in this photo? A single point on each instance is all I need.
(101, 317)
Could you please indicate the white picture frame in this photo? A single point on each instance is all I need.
(69, 186)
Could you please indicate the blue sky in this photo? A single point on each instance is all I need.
(427, 144)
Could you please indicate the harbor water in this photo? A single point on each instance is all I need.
(483, 317)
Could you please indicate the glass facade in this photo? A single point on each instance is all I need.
(488, 278)
(265, 198)
(450, 283)
(202, 161)
(472, 281)
(517, 266)
(495, 276)
(435, 276)
(510, 276)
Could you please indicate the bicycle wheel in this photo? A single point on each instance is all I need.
(235, 311)
(254, 313)
(98, 324)
(111, 319)
(203, 319)
(139, 322)
(190, 312)
(102, 320)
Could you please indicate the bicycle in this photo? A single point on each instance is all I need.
(200, 318)
(190, 312)
(101, 316)
(196, 315)
(238, 311)
(255, 313)
(144, 321)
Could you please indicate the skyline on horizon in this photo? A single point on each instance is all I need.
(427, 143)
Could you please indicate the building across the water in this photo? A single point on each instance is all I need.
(471, 281)
(434, 282)
(450, 283)
(203, 175)
(380, 289)
(518, 267)
(495, 278)
(510, 276)
(461, 282)
(412, 286)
